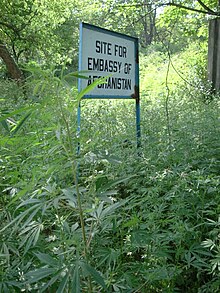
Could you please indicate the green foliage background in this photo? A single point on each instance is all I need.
(110, 219)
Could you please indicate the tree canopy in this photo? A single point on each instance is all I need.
(46, 32)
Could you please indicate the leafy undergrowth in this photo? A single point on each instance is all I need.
(151, 217)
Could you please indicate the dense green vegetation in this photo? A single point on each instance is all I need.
(110, 219)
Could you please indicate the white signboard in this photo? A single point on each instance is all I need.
(106, 53)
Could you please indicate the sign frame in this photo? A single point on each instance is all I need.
(135, 95)
(134, 40)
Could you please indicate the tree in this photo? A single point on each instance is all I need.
(136, 18)
(11, 65)
(46, 32)
(30, 30)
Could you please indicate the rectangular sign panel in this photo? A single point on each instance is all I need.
(106, 53)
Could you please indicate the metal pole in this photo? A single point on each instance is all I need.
(78, 128)
(78, 137)
(138, 122)
(137, 96)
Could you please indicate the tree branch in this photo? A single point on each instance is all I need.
(206, 7)
(11, 65)
(11, 27)
(209, 11)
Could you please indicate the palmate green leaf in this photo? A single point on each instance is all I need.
(31, 216)
(17, 125)
(90, 87)
(20, 194)
(77, 74)
(17, 220)
(107, 196)
(63, 283)
(2, 255)
(25, 239)
(20, 123)
(39, 274)
(208, 243)
(29, 201)
(10, 284)
(32, 238)
(100, 181)
(37, 87)
(101, 213)
(107, 255)
(47, 259)
(51, 282)
(37, 233)
(5, 125)
(4, 288)
(110, 209)
(32, 235)
(140, 238)
(113, 183)
(29, 228)
(76, 288)
(90, 271)
(15, 112)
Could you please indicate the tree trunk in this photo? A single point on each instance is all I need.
(11, 65)
(214, 53)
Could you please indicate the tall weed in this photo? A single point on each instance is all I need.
(130, 222)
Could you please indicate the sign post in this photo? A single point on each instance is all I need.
(104, 53)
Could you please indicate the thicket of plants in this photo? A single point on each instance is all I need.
(111, 218)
